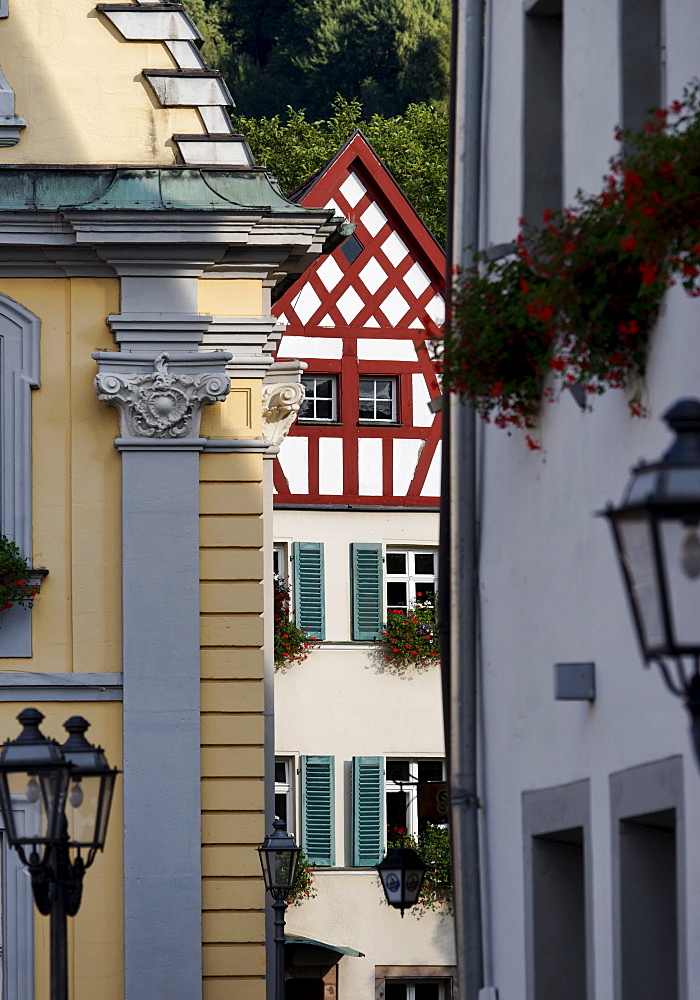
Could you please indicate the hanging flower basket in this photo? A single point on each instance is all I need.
(576, 302)
(292, 644)
(411, 637)
(16, 585)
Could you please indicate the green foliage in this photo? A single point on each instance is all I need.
(207, 16)
(384, 53)
(433, 845)
(411, 638)
(14, 573)
(303, 882)
(413, 146)
(292, 644)
(579, 299)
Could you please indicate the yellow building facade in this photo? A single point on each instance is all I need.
(141, 409)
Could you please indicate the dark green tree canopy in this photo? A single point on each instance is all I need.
(386, 54)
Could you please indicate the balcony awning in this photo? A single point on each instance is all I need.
(309, 949)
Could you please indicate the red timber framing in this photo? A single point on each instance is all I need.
(359, 318)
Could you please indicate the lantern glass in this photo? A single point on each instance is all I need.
(635, 539)
(680, 552)
(89, 797)
(33, 770)
(279, 858)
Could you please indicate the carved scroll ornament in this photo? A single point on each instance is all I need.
(161, 404)
(280, 405)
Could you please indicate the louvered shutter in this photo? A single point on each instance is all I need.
(366, 560)
(309, 598)
(367, 810)
(317, 807)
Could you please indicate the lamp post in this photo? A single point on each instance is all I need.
(72, 787)
(658, 546)
(279, 857)
(402, 872)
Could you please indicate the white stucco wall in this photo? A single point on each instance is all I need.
(550, 585)
(344, 700)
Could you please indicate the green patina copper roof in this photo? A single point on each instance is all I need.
(143, 189)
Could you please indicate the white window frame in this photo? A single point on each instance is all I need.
(320, 377)
(410, 985)
(394, 381)
(286, 788)
(409, 789)
(412, 579)
(280, 562)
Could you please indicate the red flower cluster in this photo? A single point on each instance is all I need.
(579, 298)
(292, 644)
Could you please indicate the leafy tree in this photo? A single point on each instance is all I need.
(412, 145)
(384, 53)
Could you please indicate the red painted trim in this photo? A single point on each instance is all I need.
(388, 466)
(360, 501)
(426, 457)
(279, 479)
(313, 463)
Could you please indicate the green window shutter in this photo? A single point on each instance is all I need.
(309, 597)
(367, 810)
(366, 573)
(317, 809)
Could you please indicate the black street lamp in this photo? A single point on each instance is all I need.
(72, 786)
(402, 872)
(279, 857)
(658, 546)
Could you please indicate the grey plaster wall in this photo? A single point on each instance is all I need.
(162, 838)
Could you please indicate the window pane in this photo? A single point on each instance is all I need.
(424, 591)
(396, 562)
(397, 770)
(281, 807)
(280, 771)
(394, 991)
(383, 389)
(366, 409)
(367, 387)
(307, 409)
(427, 990)
(324, 387)
(425, 563)
(429, 770)
(308, 384)
(396, 594)
(396, 818)
(324, 409)
(383, 409)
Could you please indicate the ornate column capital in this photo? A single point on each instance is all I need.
(161, 404)
(282, 395)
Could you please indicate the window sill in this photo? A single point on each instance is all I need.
(380, 423)
(309, 422)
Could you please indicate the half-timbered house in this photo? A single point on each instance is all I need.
(357, 485)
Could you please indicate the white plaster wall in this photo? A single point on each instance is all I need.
(344, 700)
(337, 530)
(349, 910)
(550, 585)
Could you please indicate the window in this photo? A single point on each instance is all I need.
(321, 400)
(649, 881)
(543, 132)
(641, 60)
(416, 795)
(351, 248)
(414, 989)
(410, 576)
(279, 562)
(558, 892)
(284, 784)
(378, 399)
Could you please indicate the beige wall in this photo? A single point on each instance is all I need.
(76, 480)
(79, 87)
(231, 539)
